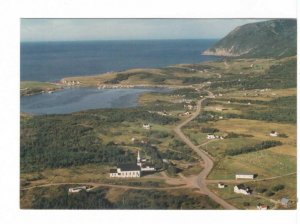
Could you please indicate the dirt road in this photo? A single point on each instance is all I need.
(97, 185)
(208, 162)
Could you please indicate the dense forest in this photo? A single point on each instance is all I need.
(53, 141)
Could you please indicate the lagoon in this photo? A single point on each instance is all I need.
(78, 99)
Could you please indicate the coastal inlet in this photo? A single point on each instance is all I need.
(77, 99)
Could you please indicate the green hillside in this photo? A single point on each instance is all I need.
(273, 38)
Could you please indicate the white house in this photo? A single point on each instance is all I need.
(273, 133)
(146, 126)
(221, 185)
(147, 168)
(244, 176)
(186, 113)
(242, 189)
(262, 207)
(189, 106)
(133, 139)
(77, 189)
(210, 136)
(162, 113)
(219, 109)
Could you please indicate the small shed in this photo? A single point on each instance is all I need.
(262, 207)
(221, 185)
(284, 202)
(273, 134)
(244, 176)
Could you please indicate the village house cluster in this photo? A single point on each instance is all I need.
(240, 188)
(190, 106)
(71, 82)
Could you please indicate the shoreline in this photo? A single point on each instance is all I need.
(107, 87)
(106, 80)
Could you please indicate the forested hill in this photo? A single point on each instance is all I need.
(273, 38)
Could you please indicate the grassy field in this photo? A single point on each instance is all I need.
(263, 163)
(83, 146)
(256, 94)
(91, 173)
(34, 87)
(238, 200)
(177, 74)
(85, 173)
(250, 201)
(112, 198)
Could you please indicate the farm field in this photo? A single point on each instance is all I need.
(261, 193)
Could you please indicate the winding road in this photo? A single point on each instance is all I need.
(208, 162)
(198, 181)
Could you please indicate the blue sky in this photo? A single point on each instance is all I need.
(126, 29)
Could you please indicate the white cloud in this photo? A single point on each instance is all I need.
(105, 29)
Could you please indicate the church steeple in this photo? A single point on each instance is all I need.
(138, 160)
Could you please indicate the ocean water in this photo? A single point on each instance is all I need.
(52, 61)
(79, 99)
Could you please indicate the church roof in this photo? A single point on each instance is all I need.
(147, 164)
(113, 170)
(129, 167)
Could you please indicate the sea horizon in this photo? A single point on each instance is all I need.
(52, 61)
(114, 40)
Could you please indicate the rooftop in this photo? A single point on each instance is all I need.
(113, 170)
(244, 174)
(242, 186)
(284, 200)
(129, 167)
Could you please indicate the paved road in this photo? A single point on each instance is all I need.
(208, 163)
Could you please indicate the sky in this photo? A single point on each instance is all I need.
(126, 29)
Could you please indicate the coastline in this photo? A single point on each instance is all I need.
(106, 80)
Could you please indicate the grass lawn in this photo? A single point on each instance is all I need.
(193, 170)
(85, 173)
(264, 163)
(289, 191)
(257, 94)
(240, 201)
(34, 87)
(218, 147)
(258, 129)
(36, 84)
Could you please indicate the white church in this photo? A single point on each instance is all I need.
(132, 170)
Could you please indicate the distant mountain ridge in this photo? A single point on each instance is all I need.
(273, 38)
